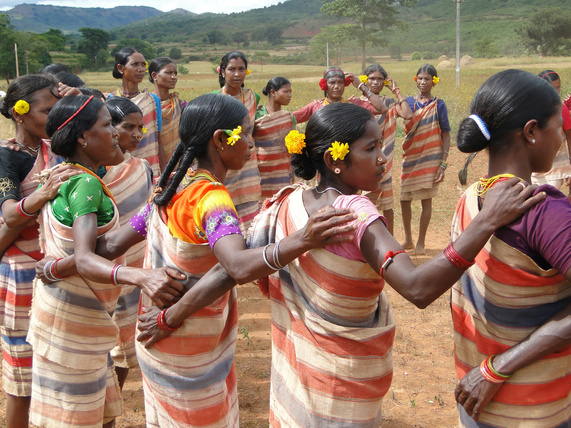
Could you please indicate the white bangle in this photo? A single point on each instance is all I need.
(276, 255)
(266, 259)
(360, 84)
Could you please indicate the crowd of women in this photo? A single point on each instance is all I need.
(107, 195)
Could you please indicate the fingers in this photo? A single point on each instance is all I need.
(534, 200)
(176, 275)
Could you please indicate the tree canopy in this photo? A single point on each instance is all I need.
(548, 32)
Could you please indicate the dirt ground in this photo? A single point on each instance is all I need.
(424, 379)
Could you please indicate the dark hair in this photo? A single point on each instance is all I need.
(224, 63)
(549, 75)
(119, 108)
(64, 141)
(331, 72)
(343, 122)
(69, 79)
(506, 102)
(121, 58)
(427, 68)
(199, 120)
(376, 67)
(91, 91)
(23, 88)
(54, 69)
(157, 65)
(275, 83)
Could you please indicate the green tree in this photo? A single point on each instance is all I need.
(216, 37)
(372, 18)
(240, 37)
(146, 48)
(336, 36)
(92, 42)
(274, 34)
(548, 32)
(55, 39)
(485, 48)
(7, 40)
(175, 53)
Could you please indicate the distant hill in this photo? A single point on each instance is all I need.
(40, 18)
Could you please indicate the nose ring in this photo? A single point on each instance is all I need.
(139, 137)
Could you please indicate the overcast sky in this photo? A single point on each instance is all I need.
(196, 6)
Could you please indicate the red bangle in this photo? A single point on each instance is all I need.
(114, 274)
(491, 375)
(389, 255)
(53, 269)
(21, 211)
(456, 259)
(163, 324)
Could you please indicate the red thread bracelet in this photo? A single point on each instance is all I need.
(456, 259)
(21, 211)
(389, 255)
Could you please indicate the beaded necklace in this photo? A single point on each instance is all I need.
(421, 105)
(196, 174)
(30, 150)
(235, 96)
(486, 183)
(327, 102)
(125, 94)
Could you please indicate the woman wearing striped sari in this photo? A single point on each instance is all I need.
(425, 150)
(332, 326)
(271, 127)
(512, 308)
(71, 327)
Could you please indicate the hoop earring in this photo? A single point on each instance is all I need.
(337, 170)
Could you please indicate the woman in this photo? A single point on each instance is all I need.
(164, 75)
(425, 150)
(244, 184)
(130, 66)
(189, 378)
(271, 127)
(28, 101)
(560, 172)
(332, 327)
(131, 183)
(333, 85)
(376, 79)
(71, 327)
(511, 309)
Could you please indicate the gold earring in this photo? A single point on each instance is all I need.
(84, 145)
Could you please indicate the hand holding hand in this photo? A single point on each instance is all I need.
(149, 330)
(162, 285)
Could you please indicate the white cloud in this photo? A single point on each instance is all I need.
(196, 6)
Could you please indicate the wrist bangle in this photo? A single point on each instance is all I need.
(359, 87)
(266, 258)
(163, 324)
(456, 259)
(490, 374)
(276, 255)
(443, 165)
(21, 211)
(47, 272)
(402, 101)
(114, 274)
(53, 270)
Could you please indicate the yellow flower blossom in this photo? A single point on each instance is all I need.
(146, 67)
(295, 142)
(21, 107)
(144, 130)
(387, 83)
(435, 80)
(248, 72)
(364, 79)
(233, 135)
(338, 150)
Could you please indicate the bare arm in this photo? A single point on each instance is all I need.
(402, 107)
(380, 107)
(422, 285)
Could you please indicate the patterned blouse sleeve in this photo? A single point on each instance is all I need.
(218, 214)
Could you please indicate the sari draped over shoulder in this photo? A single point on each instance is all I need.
(244, 184)
(18, 265)
(273, 157)
(172, 109)
(132, 185)
(189, 378)
(332, 330)
(422, 149)
(497, 303)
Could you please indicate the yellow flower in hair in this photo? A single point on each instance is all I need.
(146, 67)
(338, 150)
(435, 80)
(248, 72)
(21, 107)
(295, 142)
(233, 135)
(364, 79)
(387, 83)
(144, 130)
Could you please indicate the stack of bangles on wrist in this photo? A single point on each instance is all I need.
(114, 274)
(21, 211)
(489, 373)
(275, 255)
(443, 165)
(456, 259)
(50, 271)
(163, 324)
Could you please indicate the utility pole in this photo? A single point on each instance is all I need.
(457, 41)
(16, 55)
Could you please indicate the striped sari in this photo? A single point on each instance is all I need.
(422, 149)
(131, 184)
(172, 109)
(497, 303)
(244, 184)
(332, 330)
(383, 197)
(17, 271)
(273, 157)
(148, 148)
(189, 378)
(72, 332)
